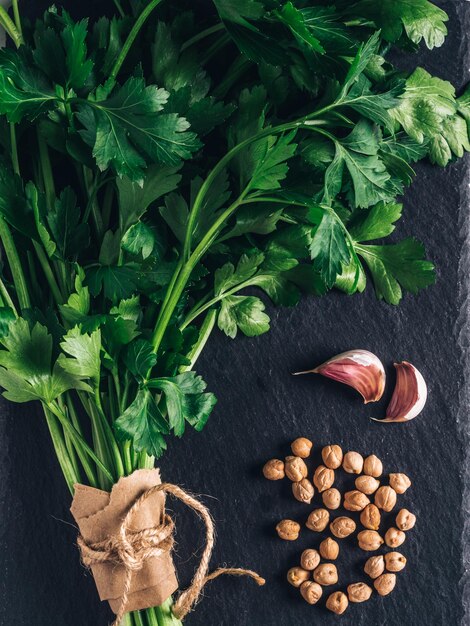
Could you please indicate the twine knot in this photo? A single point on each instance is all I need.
(132, 549)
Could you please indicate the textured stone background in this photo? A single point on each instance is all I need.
(261, 408)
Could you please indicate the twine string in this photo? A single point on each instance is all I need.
(132, 549)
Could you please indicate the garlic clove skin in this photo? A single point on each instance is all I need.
(359, 369)
(409, 396)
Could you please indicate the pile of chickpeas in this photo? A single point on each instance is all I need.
(315, 570)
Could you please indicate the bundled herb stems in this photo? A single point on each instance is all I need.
(157, 163)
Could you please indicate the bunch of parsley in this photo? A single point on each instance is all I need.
(156, 164)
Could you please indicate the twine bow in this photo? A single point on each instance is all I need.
(131, 549)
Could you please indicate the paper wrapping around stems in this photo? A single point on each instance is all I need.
(99, 515)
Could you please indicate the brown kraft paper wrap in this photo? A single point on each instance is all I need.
(99, 516)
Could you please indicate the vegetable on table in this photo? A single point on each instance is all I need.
(165, 169)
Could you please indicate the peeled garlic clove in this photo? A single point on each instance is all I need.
(359, 369)
(409, 396)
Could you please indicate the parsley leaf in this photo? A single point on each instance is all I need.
(185, 400)
(143, 424)
(270, 157)
(26, 372)
(295, 21)
(129, 130)
(135, 199)
(396, 267)
(245, 313)
(329, 247)
(358, 152)
(376, 222)
(421, 19)
(140, 358)
(64, 218)
(425, 103)
(24, 89)
(84, 354)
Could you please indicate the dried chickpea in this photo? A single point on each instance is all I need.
(375, 566)
(394, 537)
(369, 540)
(326, 574)
(355, 500)
(405, 520)
(296, 576)
(323, 478)
(359, 592)
(385, 498)
(353, 463)
(310, 559)
(370, 517)
(394, 561)
(311, 592)
(274, 469)
(302, 447)
(295, 468)
(373, 466)
(385, 584)
(318, 520)
(329, 549)
(288, 530)
(337, 602)
(399, 482)
(342, 527)
(367, 484)
(331, 498)
(303, 491)
(332, 456)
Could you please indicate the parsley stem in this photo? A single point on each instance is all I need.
(10, 28)
(58, 442)
(119, 8)
(87, 467)
(100, 442)
(116, 453)
(7, 298)
(15, 265)
(46, 170)
(92, 189)
(132, 37)
(78, 439)
(14, 149)
(48, 273)
(198, 309)
(205, 331)
(164, 614)
(16, 14)
(8, 241)
(202, 35)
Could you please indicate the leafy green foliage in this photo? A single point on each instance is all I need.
(84, 352)
(154, 197)
(245, 313)
(428, 111)
(185, 400)
(420, 19)
(26, 371)
(24, 90)
(143, 424)
(396, 267)
(71, 235)
(128, 129)
(358, 154)
(329, 247)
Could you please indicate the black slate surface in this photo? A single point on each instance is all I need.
(261, 409)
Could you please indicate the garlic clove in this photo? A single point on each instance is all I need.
(359, 369)
(409, 396)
